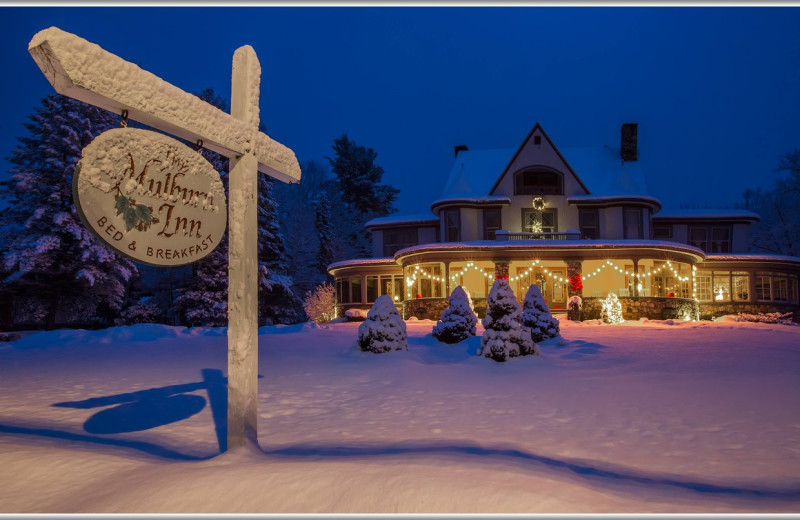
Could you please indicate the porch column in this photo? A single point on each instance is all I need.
(636, 280)
(574, 268)
(447, 289)
(501, 268)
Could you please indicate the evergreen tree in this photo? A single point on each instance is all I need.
(503, 337)
(536, 316)
(50, 259)
(360, 194)
(298, 220)
(383, 330)
(359, 178)
(327, 239)
(277, 301)
(458, 320)
(203, 299)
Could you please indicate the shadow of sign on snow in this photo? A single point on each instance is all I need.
(593, 471)
(146, 409)
(146, 447)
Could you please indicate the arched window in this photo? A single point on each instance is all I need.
(538, 180)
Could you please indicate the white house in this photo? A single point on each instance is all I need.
(564, 218)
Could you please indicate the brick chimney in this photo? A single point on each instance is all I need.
(460, 148)
(628, 147)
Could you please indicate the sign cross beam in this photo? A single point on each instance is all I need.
(83, 70)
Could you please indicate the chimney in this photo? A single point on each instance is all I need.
(460, 148)
(628, 146)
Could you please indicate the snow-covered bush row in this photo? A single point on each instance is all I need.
(504, 337)
(384, 328)
(766, 317)
(537, 317)
(320, 303)
(458, 321)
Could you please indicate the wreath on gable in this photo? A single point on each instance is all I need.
(538, 203)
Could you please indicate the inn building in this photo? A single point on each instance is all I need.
(575, 221)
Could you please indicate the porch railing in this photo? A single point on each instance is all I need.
(503, 235)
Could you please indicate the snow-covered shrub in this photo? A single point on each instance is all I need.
(766, 317)
(384, 329)
(320, 303)
(536, 315)
(612, 309)
(458, 321)
(356, 314)
(143, 311)
(504, 337)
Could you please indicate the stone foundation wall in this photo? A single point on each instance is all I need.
(424, 308)
(710, 310)
(650, 308)
(432, 308)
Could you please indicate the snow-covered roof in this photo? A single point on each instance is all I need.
(601, 170)
(604, 172)
(717, 214)
(362, 261)
(574, 199)
(489, 199)
(752, 258)
(421, 218)
(550, 244)
(474, 172)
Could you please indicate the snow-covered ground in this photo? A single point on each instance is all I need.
(645, 417)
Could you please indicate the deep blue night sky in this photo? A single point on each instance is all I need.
(716, 91)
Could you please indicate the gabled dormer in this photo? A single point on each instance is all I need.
(538, 168)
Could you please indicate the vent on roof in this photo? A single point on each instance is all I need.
(537, 139)
(628, 142)
(460, 148)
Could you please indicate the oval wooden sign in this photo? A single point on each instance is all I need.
(150, 197)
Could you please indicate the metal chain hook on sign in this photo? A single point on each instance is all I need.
(123, 122)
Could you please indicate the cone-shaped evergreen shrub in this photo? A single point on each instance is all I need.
(503, 337)
(384, 329)
(458, 320)
(536, 315)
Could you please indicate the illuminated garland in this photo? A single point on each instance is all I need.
(668, 265)
(420, 273)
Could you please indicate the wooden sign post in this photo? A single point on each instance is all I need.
(84, 71)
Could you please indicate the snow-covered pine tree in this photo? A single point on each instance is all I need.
(384, 329)
(503, 338)
(296, 220)
(203, 300)
(49, 256)
(536, 315)
(277, 302)
(458, 321)
(360, 196)
(327, 238)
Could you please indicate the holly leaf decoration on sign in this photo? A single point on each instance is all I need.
(135, 215)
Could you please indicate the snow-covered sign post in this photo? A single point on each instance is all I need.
(84, 71)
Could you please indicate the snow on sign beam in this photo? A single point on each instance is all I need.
(83, 70)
